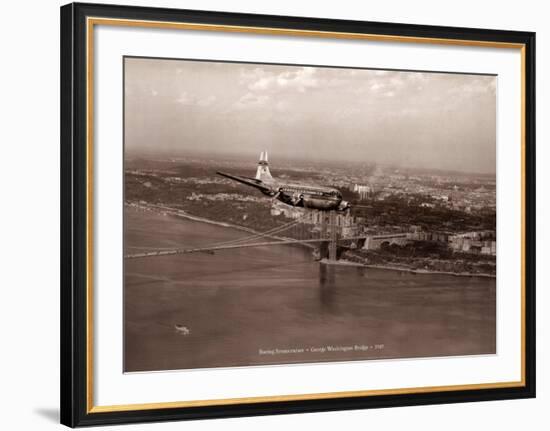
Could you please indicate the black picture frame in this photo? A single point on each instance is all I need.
(75, 377)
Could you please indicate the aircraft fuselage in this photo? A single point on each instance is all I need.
(297, 195)
(302, 195)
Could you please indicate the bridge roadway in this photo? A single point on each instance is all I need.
(227, 247)
(281, 240)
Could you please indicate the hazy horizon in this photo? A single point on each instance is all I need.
(421, 120)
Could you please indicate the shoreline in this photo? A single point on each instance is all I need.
(344, 262)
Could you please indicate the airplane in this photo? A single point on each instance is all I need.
(296, 195)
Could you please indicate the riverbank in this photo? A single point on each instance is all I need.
(344, 262)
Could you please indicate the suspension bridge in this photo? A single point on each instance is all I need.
(320, 228)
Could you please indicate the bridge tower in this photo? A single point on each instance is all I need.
(333, 236)
(323, 225)
(323, 231)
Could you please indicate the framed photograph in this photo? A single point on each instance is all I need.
(269, 214)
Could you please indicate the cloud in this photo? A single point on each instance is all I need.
(382, 83)
(185, 99)
(345, 112)
(282, 106)
(376, 86)
(260, 80)
(207, 101)
(470, 91)
(189, 100)
(250, 100)
(480, 86)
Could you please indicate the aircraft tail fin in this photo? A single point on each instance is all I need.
(262, 173)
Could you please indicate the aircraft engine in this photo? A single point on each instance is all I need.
(318, 204)
(344, 205)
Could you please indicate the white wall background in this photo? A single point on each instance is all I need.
(29, 214)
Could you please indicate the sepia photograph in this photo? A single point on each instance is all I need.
(290, 214)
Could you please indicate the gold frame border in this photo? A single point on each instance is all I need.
(90, 23)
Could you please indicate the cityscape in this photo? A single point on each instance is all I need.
(407, 219)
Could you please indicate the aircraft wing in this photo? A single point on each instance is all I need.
(248, 181)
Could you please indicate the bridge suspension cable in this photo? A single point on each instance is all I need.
(162, 251)
(223, 247)
(270, 232)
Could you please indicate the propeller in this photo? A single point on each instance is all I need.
(277, 194)
(297, 199)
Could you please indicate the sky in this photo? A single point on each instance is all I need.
(410, 119)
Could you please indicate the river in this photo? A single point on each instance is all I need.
(276, 304)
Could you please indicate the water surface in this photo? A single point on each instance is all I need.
(275, 304)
